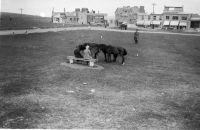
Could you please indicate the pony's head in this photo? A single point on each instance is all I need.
(125, 52)
(94, 50)
(80, 47)
(122, 51)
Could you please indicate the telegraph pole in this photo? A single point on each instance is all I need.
(154, 4)
(21, 11)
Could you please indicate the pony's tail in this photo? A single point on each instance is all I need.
(125, 52)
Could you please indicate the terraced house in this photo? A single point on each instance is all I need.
(175, 17)
(129, 14)
(79, 16)
(65, 17)
(172, 17)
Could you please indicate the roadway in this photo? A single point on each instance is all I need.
(29, 31)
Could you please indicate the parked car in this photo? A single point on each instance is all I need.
(123, 25)
(100, 24)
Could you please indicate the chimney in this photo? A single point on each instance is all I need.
(64, 10)
(84, 10)
(142, 9)
(52, 14)
(52, 11)
(77, 10)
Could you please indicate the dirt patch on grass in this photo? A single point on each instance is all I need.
(82, 67)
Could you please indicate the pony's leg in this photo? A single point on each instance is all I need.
(123, 60)
(105, 57)
(96, 56)
(115, 58)
(109, 57)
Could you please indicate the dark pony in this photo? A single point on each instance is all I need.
(111, 50)
(104, 49)
(108, 51)
(116, 51)
(122, 52)
(77, 51)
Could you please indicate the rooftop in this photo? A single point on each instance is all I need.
(173, 6)
(176, 13)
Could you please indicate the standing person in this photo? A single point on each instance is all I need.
(87, 53)
(136, 36)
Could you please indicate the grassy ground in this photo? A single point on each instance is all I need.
(12, 21)
(159, 89)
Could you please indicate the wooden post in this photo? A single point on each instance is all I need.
(71, 61)
(91, 63)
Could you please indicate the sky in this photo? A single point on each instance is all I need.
(44, 7)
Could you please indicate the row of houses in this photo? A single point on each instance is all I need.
(172, 17)
(79, 16)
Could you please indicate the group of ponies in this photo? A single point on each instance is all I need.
(108, 51)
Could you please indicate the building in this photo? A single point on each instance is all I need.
(82, 15)
(155, 20)
(174, 17)
(142, 19)
(65, 17)
(129, 14)
(195, 21)
(79, 16)
(98, 18)
(92, 18)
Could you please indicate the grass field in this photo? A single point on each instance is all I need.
(159, 89)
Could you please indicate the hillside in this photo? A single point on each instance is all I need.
(10, 21)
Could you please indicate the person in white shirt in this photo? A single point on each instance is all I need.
(87, 53)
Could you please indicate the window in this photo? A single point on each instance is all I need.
(171, 9)
(154, 17)
(175, 18)
(149, 17)
(160, 18)
(142, 17)
(167, 17)
(70, 19)
(184, 18)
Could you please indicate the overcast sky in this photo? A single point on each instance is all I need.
(44, 7)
